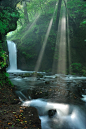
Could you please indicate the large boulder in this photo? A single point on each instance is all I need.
(32, 118)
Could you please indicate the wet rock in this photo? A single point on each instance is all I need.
(38, 78)
(47, 82)
(32, 118)
(51, 113)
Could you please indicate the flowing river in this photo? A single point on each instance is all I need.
(57, 98)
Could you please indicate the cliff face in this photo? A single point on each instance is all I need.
(9, 16)
(8, 22)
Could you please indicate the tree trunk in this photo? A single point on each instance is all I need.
(26, 19)
(58, 14)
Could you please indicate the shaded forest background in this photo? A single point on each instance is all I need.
(32, 26)
(33, 18)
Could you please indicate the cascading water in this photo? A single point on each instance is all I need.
(59, 115)
(12, 57)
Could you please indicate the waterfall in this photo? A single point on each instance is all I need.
(12, 56)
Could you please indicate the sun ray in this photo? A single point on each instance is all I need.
(60, 59)
(55, 58)
(45, 42)
(62, 47)
(36, 18)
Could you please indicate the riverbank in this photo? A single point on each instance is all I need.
(12, 115)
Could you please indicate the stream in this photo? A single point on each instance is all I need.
(59, 99)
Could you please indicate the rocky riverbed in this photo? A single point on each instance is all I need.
(54, 88)
(58, 88)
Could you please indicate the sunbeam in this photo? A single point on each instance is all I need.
(45, 42)
(62, 47)
(36, 18)
(59, 62)
(43, 46)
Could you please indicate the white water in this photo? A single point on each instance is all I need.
(66, 117)
(12, 57)
(84, 98)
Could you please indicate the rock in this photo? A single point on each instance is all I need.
(51, 113)
(47, 82)
(32, 118)
(15, 101)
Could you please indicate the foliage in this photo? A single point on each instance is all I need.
(35, 7)
(7, 16)
(84, 71)
(77, 11)
(30, 37)
(76, 68)
(28, 56)
(3, 58)
(4, 80)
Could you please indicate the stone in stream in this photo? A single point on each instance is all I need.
(51, 112)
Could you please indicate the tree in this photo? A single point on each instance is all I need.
(26, 19)
(58, 14)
